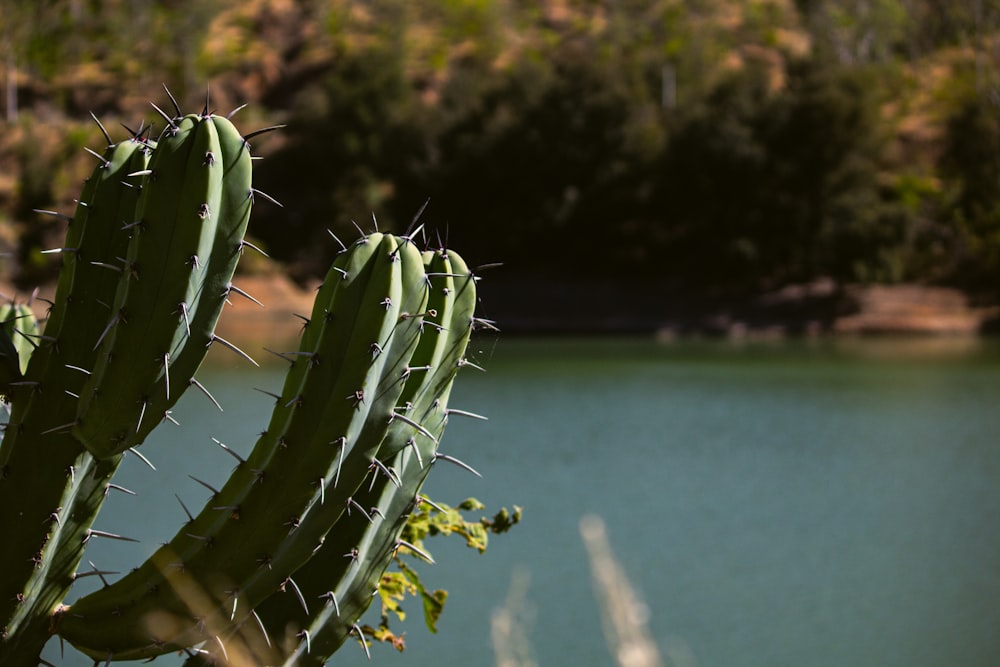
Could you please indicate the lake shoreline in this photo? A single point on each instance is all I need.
(819, 309)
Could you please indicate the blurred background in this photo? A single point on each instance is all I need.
(684, 168)
(634, 164)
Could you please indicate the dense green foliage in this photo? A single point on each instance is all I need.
(733, 146)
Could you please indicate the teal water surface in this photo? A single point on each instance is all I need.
(799, 504)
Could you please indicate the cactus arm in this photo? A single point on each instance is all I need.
(207, 293)
(341, 481)
(50, 490)
(337, 582)
(101, 247)
(28, 625)
(168, 259)
(314, 435)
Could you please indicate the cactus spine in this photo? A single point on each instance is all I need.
(148, 264)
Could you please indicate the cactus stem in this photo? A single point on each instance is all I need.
(184, 507)
(103, 533)
(141, 457)
(417, 550)
(459, 463)
(107, 136)
(201, 388)
(234, 288)
(118, 487)
(465, 413)
(246, 244)
(355, 628)
(208, 486)
(229, 450)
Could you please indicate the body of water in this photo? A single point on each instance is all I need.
(806, 504)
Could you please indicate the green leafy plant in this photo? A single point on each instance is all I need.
(284, 558)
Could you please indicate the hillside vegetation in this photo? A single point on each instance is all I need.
(704, 146)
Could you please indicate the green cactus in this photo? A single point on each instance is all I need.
(148, 264)
(186, 237)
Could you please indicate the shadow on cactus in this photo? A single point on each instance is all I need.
(282, 561)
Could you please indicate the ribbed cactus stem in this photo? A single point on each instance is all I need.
(50, 488)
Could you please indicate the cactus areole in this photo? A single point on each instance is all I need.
(318, 505)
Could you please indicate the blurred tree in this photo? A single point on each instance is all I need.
(971, 163)
(761, 188)
(351, 143)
